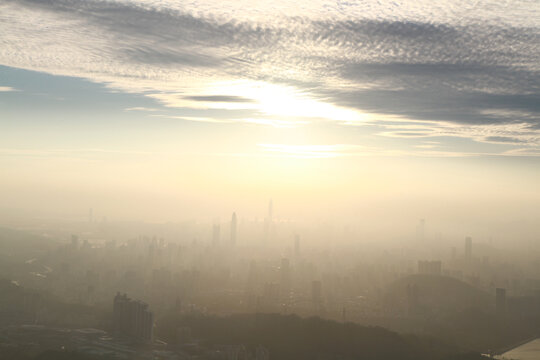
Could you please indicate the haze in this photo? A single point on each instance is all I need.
(383, 134)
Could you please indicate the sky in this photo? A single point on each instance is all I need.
(163, 110)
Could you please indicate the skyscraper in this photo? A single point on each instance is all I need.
(233, 229)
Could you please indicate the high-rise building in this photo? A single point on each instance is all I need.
(234, 225)
(413, 307)
(468, 247)
(316, 291)
(285, 278)
(75, 242)
(500, 301)
(297, 245)
(429, 267)
(132, 318)
(421, 229)
(215, 234)
(270, 210)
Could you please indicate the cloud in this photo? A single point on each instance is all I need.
(7, 89)
(141, 108)
(317, 151)
(219, 98)
(504, 140)
(466, 71)
(312, 151)
(88, 154)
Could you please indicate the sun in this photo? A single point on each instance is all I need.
(281, 103)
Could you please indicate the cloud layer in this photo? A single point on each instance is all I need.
(466, 70)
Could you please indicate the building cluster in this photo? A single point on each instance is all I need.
(263, 265)
(429, 267)
(132, 318)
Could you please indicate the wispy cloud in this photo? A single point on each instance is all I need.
(312, 151)
(88, 153)
(7, 89)
(141, 108)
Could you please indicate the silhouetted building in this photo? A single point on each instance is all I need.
(183, 335)
(75, 242)
(500, 301)
(421, 229)
(297, 245)
(468, 247)
(316, 291)
(429, 267)
(132, 318)
(413, 306)
(271, 292)
(268, 224)
(31, 306)
(233, 229)
(285, 278)
(215, 234)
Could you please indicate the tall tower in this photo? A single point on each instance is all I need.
(270, 210)
(233, 229)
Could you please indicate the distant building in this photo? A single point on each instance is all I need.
(215, 234)
(429, 267)
(262, 353)
(31, 306)
(316, 291)
(285, 278)
(271, 292)
(75, 242)
(234, 225)
(413, 307)
(468, 247)
(183, 335)
(133, 318)
(500, 301)
(297, 245)
(268, 227)
(421, 229)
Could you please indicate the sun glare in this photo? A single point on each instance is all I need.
(284, 102)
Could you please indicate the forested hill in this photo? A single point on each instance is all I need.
(289, 337)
